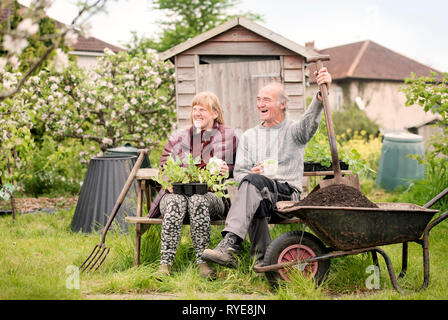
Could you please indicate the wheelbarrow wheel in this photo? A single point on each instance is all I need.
(286, 248)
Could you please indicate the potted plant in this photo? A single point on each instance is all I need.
(187, 178)
(172, 175)
(318, 154)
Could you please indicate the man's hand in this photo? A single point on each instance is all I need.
(258, 169)
(323, 76)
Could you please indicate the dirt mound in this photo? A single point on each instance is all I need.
(337, 195)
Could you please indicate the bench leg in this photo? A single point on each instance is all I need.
(140, 189)
(148, 195)
(137, 246)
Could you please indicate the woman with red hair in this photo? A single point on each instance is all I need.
(206, 138)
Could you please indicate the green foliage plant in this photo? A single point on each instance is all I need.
(15, 145)
(436, 180)
(431, 93)
(364, 152)
(355, 119)
(172, 172)
(57, 168)
(318, 151)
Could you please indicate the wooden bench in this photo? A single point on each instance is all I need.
(145, 179)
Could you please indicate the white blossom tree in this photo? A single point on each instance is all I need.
(15, 140)
(124, 99)
(15, 112)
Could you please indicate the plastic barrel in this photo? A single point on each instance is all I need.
(396, 168)
(105, 178)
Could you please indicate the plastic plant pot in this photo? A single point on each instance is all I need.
(189, 189)
(315, 166)
(178, 188)
(200, 188)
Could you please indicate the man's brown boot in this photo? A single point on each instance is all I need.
(225, 252)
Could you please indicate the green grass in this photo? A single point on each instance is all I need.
(38, 250)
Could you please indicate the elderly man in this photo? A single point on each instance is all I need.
(283, 142)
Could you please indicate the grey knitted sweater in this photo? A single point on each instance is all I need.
(284, 142)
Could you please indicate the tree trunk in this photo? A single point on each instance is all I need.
(12, 199)
(13, 206)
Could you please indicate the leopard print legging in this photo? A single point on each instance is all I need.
(201, 210)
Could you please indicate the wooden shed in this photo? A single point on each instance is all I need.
(235, 60)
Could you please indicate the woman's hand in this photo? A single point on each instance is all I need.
(224, 171)
(170, 189)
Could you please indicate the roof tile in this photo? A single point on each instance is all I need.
(375, 62)
(93, 44)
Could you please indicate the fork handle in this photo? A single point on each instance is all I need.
(123, 192)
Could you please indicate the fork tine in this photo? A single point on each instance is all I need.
(91, 257)
(98, 257)
(101, 252)
(88, 258)
(106, 250)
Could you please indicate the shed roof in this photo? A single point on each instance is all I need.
(369, 60)
(246, 23)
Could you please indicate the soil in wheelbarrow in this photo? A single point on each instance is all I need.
(337, 195)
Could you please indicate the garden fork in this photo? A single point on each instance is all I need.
(100, 252)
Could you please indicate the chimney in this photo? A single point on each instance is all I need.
(310, 45)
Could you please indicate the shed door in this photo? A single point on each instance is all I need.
(236, 85)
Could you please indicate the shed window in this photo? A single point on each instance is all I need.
(229, 59)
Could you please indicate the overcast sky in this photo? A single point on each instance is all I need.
(414, 28)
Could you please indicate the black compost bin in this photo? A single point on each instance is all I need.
(105, 178)
(127, 150)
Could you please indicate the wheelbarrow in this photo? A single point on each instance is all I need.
(344, 231)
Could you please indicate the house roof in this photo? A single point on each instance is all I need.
(90, 44)
(246, 23)
(433, 119)
(93, 44)
(369, 60)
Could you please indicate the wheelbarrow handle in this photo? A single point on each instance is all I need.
(436, 221)
(436, 198)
